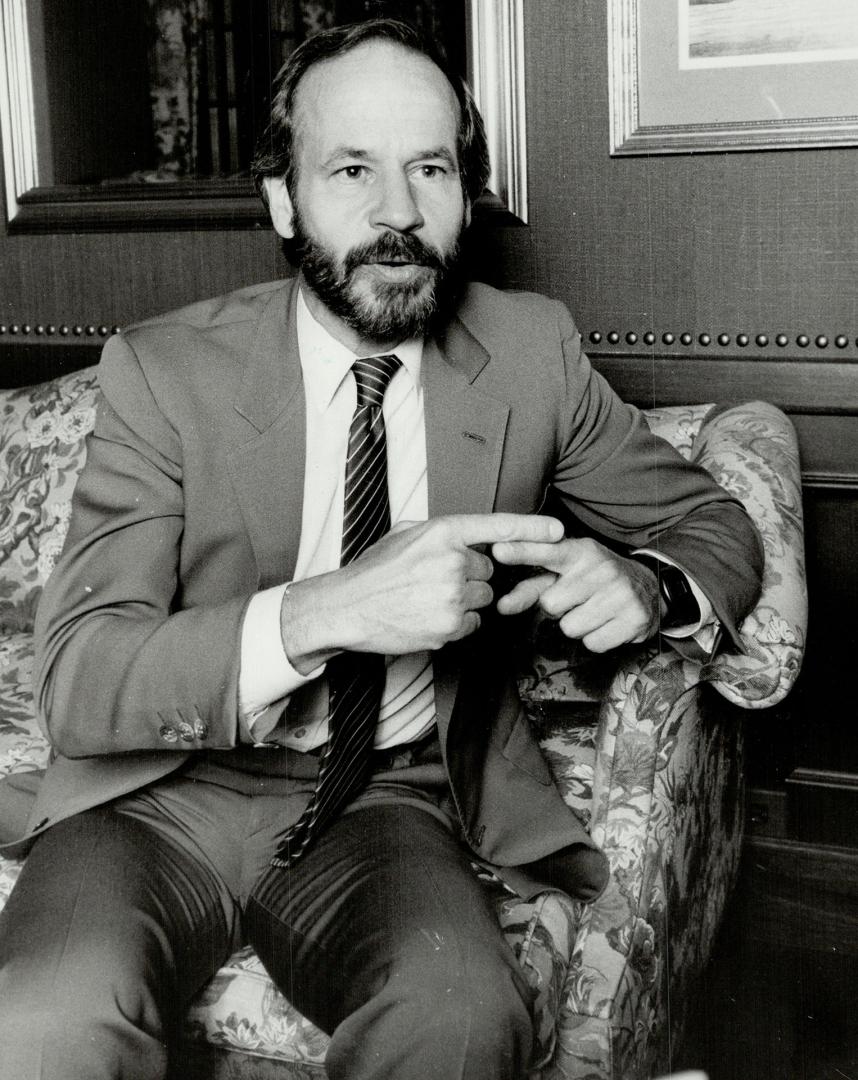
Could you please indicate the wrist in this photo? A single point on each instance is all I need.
(678, 605)
(302, 624)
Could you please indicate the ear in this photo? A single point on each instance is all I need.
(279, 206)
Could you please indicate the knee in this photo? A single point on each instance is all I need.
(80, 1034)
(468, 1006)
(488, 1008)
(467, 1026)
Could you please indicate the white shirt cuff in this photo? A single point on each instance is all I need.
(266, 677)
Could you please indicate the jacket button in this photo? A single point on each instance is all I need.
(201, 729)
(168, 733)
(478, 839)
(41, 824)
(186, 732)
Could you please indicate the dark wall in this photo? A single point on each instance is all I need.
(724, 242)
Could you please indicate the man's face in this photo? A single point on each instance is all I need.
(378, 206)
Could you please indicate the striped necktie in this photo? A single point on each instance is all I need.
(355, 680)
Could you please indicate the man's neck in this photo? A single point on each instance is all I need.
(341, 331)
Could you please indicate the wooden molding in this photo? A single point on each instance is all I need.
(796, 384)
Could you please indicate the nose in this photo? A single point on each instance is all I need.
(396, 206)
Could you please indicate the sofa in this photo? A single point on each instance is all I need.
(645, 744)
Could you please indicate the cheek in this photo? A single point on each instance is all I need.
(445, 216)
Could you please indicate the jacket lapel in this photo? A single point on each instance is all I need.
(268, 467)
(465, 431)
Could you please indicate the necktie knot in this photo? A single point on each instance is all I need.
(372, 374)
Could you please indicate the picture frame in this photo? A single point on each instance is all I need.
(495, 70)
(720, 75)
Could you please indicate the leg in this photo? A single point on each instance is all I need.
(384, 938)
(109, 931)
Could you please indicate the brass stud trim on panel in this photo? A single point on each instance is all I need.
(706, 340)
(49, 329)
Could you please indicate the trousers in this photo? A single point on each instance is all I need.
(381, 935)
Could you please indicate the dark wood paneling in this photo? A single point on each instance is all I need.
(723, 242)
(777, 999)
(795, 384)
(27, 364)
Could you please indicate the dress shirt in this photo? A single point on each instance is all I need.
(278, 704)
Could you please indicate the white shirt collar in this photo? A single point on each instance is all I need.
(325, 362)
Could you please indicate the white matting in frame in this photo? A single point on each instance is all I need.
(716, 75)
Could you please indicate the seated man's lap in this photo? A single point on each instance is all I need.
(386, 892)
(159, 888)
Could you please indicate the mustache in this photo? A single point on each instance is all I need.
(391, 247)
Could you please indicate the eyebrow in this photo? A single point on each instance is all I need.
(344, 151)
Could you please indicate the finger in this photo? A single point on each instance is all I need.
(478, 567)
(471, 621)
(478, 594)
(532, 553)
(584, 618)
(567, 592)
(610, 636)
(491, 528)
(604, 627)
(525, 594)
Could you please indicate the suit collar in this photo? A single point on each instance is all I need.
(465, 426)
(272, 376)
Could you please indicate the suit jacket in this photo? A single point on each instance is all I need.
(190, 501)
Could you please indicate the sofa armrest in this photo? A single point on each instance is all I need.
(666, 809)
(752, 451)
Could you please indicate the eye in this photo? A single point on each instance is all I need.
(432, 172)
(352, 172)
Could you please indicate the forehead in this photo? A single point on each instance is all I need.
(378, 94)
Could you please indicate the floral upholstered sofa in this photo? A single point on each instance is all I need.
(647, 751)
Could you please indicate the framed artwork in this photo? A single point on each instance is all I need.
(716, 75)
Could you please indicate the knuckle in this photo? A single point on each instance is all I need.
(551, 604)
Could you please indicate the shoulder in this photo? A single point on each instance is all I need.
(206, 339)
(219, 318)
(500, 318)
(185, 357)
(511, 324)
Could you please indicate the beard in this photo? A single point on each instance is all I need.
(381, 310)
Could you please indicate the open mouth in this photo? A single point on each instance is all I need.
(395, 269)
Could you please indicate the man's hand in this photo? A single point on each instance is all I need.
(416, 589)
(599, 598)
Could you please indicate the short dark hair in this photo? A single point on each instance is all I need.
(275, 149)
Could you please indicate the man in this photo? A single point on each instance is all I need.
(273, 662)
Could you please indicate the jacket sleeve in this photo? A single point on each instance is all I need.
(119, 668)
(633, 488)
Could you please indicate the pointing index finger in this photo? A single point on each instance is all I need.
(474, 529)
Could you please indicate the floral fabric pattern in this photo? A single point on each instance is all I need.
(636, 743)
(42, 452)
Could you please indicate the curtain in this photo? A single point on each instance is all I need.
(210, 63)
